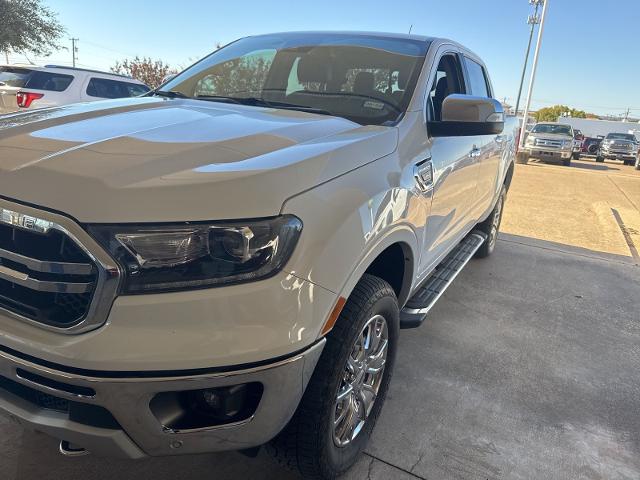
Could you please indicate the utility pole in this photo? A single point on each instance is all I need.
(533, 71)
(74, 50)
(532, 20)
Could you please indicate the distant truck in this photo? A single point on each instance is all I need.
(549, 141)
(619, 146)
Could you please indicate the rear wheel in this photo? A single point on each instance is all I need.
(491, 226)
(341, 404)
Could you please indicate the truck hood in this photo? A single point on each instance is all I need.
(550, 136)
(157, 160)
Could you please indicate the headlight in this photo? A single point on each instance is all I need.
(530, 140)
(160, 258)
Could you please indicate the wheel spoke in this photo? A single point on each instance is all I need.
(367, 396)
(377, 362)
(344, 392)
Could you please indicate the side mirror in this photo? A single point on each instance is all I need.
(466, 115)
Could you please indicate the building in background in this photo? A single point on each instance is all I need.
(594, 127)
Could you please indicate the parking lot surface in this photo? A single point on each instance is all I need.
(527, 368)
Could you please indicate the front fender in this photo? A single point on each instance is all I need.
(349, 221)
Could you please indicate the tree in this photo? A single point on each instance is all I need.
(144, 69)
(28, 26)
(551, 114)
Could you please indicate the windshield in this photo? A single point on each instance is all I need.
(14, 77)
(622, 136)
(367, 79)
(552, 128)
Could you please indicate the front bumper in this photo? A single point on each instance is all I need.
(548, 153)
(618, 154)
(136, 432)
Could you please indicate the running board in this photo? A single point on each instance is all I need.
(418, 306)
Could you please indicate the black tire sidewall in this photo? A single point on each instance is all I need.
(345, 456)
(339, 459)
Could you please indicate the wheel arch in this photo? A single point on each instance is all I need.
(393, 259)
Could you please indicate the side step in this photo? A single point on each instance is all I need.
(416, 309)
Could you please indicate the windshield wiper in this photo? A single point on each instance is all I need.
(261, 102)
(168, 94)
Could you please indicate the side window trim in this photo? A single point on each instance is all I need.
(461, 67)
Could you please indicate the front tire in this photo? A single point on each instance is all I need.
(522, 158)
(575, 155)
(566, 162)
(638, 163)
(491, 226)
(599, 159)
(345, 395)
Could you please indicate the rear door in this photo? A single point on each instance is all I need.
(454, 166)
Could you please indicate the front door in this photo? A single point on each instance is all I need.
(455, 161)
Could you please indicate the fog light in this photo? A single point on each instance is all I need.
(222, 403)
(208, 407)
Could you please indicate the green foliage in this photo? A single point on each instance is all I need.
(28, 26)
(245, 75)
(144, 69)
(551, 114)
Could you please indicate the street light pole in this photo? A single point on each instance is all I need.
(533, 20)
(533, 71)
(74, 50)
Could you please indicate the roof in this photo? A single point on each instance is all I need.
(64, 67)
(399, 36)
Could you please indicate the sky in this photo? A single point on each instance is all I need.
(589, 57)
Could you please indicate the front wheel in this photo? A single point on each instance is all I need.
(522, 158)
(575, 155)
(566, 162)
(341, 404)
(491, 226)
(599, 159)
(638, 163)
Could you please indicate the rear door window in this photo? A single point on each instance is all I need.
(14, 77)
(53, 82)
(106, 88)
(477, 78)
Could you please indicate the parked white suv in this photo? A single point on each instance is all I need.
(28, 86)
(227, 262)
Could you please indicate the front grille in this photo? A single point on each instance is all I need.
(45, 277)
(541, 142)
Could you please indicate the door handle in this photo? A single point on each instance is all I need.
(423, 173)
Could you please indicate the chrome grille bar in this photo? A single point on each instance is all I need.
(25, 280)
(35, 265)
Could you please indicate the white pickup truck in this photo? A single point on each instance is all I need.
(227, 262)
